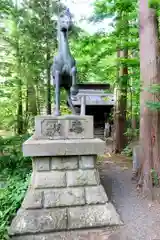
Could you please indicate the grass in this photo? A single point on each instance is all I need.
(15, 174)
(4, 133)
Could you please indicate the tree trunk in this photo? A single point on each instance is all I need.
(48, 83)
(32, 101)
(38, 100)
(20, 109)
(48, 65)
(149, 120)
(120, 115)
(156, 80)
(25, 122)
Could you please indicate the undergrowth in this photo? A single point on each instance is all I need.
(14, 176)
(127, 151)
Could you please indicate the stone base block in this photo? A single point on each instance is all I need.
(72, 218)
(89, 234)
(63, 209)
(68, 147)
(65, 192)
(92, 216)
(38, 221)
(95, 195)
(64, 197)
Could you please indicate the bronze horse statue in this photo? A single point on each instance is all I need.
(64, 64)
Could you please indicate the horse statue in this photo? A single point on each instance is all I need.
(64, 64)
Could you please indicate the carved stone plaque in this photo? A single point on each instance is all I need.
(51, 128)
(76, 126)
(63, 127)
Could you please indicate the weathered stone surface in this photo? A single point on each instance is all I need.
(89, 234)
(95, 195)
(64, 197)
(49, 179)
(50, 127)
(33, 199)
(82, 178)
(36, 148)
(68, 162)
(63, 127)
(47, 236)
(38, 221)
(41, 164)
(80, 127)
(87, 162)
(92, 216)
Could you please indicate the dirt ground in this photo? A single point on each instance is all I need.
(141, 218)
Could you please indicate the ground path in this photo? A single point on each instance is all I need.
(141, 218)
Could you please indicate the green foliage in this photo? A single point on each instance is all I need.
(131, 133)
(14, 176)
(155, 90)
(64, 109)
(11, 197)
(155, 177)
(11, 153)
(127, 151)
(153, 105)
(154, 4)
(28, 45)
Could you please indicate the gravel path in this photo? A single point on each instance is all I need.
(141, 218)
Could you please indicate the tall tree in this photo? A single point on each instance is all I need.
(123, 14)
(121, 106)
(150, 74)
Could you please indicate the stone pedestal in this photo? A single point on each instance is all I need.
(65, 191)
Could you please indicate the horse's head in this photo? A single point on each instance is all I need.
(65, 21)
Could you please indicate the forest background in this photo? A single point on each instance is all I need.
(126, 57)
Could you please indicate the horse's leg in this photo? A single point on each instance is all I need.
(57, 93)
(70, 102)
(74, 89)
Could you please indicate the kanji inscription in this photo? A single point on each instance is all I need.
(76, 126)
(50, 128)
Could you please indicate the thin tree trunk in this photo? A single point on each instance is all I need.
(133, 116)
(38, 101)
(27, 99)
(20, 109)
(48, 65)
(48, 83)
(120, 120)
(25, 122)
(32, 106)
(19, 81)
